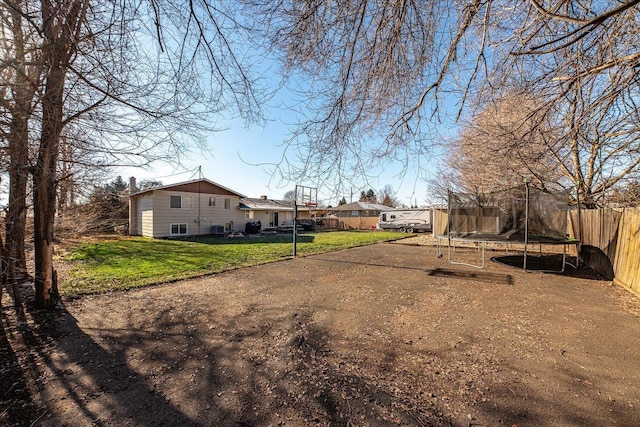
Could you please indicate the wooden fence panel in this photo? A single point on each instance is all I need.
(598, 235)
(440, 219)
(627, 260)
(610, 243)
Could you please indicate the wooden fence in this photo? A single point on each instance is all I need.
(611, 243)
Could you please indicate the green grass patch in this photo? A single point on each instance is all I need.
(132, 262)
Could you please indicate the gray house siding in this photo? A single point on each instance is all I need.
(196, 215)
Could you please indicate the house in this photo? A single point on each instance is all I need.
(359, 215)
(271, 213)
(192, 208)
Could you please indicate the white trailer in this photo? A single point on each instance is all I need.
(409, 220)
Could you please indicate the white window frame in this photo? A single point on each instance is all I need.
(212, 201)
(355, 213)
(183, 201)
(248, 215)
(178, 224)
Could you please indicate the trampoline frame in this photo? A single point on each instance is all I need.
(526, 242)
(482, 246)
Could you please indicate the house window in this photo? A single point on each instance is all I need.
(212, 201)
(227, 203)
(180, 202)
(355, 213)
(248, 215)
(178, 229)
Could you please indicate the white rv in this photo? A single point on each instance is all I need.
(409, 220)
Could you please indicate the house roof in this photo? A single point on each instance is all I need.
(362, 206)
(202, 185)
(263, 204)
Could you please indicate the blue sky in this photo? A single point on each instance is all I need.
(238, 158)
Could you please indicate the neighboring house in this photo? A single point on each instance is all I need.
(271, 213)
(359, 215)
(192, 208)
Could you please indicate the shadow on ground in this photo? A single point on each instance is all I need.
(550, 263)
(178, 373)
(368, 336)
(15, 393)
(474, 274)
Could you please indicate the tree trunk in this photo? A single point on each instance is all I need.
(44, 182)
(63, 21)
(18, 147)
(16, 219)
(3, 275)
(44, 176)
(44, 192)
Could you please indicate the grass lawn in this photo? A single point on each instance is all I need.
(132, 262)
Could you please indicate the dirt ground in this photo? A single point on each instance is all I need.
(387, 334)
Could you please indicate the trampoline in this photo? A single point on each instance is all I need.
(516, 217)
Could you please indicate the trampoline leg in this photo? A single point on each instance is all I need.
(566, 262)
(451, 261)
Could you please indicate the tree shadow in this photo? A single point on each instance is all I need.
(483, 276)
(156, 357)
(79, 369)
(175, 374)
(15, 391)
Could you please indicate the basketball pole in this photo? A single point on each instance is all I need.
(295, 228)
(526, 223)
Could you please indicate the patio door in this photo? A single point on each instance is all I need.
(273, 219)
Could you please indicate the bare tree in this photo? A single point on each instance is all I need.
(626, 196)
(387, 196)
(381, 75)
(146, 184)
(20, 72)
(128, 102)
(583, 59)
(508, 141)
(371, 70)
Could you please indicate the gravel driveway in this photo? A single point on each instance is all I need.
(386, 334)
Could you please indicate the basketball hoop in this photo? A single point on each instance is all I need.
(306, 196)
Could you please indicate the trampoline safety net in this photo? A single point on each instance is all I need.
(506, 216)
